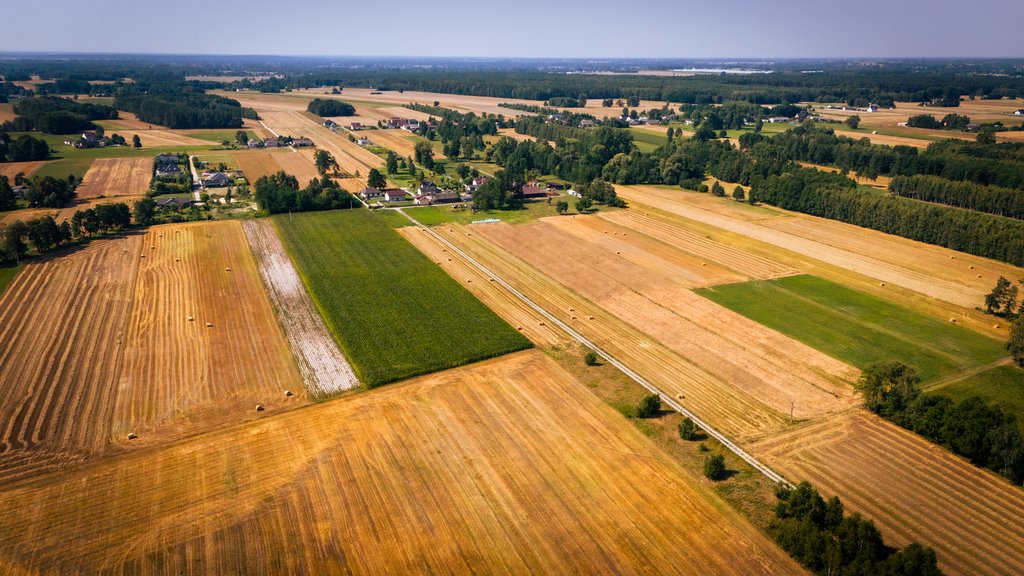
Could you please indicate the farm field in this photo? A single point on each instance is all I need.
(116, 177)
(475, 469)
(297, 163)
(322, 365)
(645, 283)
(913, 490)
(258, 163)
(856, 327)
(921, 276)
(1001, 385)
(7, 112)
(200, 321)
(393, 313)
(154, 137)
(12, 169)
(74, 308)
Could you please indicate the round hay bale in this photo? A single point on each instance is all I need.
(191, 318)
(953, 320)
(520, 328)
(209, 324)
(979, 275)
(996, 326)
(881, 283)
(177, 259)
(971, 266)
(287, 392)
(590, 317)
(259, 407)
(227, 269)
(541, 323)
(703, 263)
(132, 436)
(143, 255)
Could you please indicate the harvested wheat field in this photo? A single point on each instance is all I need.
(886, 139)
(298, 163)
(257, 163)
(938, 273)
(479, 469)
(400, 141)
(7, 112)
(879, 182)
(12, 169)
(116, 177)
(203, 343)
(733, 411)
(649, 292)
(62, 328)
(913, 490)
(321, 363)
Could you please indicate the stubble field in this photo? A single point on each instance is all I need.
(480, 469)
(116, 177)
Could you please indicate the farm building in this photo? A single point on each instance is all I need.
(586, 123)
(169, 170)
(534, 192)
(364, 142)
(476, 183)
(356, 126)
(173, 203)
(1019, 112)
(302, 143)
(255, 143)
(330, 124)
(427, 188)
(395, 195)
(271, 143)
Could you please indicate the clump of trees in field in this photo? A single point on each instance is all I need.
(54, 115)
(182, 107)
(40, 192)
(948, 122)
(329, 107)
(44, 233)
(821, 536)
(1002, 301)
(24, 148)
(280, 193)
(567, 102)
(649, 406)
(985, 435)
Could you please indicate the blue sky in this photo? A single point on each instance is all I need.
(524, 28)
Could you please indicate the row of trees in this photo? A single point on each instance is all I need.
(55, 115)
(991, 199)
(24, 148)
(45, 234)
(822, 537)
(280, 193)
(948, 122)
(329, 107)
(834, 196)
(985, 435)
(1002, 301)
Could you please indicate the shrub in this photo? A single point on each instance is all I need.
(714, 466)
(590, 358)
(649, 406)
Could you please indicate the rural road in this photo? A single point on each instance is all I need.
(756, 464)
(197, 187)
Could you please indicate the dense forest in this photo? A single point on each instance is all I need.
(54, 115)
(182, 109)
(992, 199)
(328, 108)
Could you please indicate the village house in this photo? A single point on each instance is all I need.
(871, 108)
(168, 171)
(217, 180)
(586, 123)
(1019, 112)
(330, 124)
(355, 126)
(370, 192)
(302, 143)
(395, 195)
(475, 183)
(254, 143)
(173, 203)
(427, 188)
(534, 192)
(20, 191)
(364, 142)
(272, 143)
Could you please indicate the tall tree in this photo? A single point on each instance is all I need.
(375, 179)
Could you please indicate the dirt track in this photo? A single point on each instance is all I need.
(478, 469)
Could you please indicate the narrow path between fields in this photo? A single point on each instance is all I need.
(756, 464)
(964, 374)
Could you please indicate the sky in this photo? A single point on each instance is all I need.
(522, 28)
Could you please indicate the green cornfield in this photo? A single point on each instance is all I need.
(394, 313)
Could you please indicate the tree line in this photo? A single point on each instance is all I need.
(44, 233)
(828, 196)
(991, 199)
(280, 192)
(985, 435)
(821, 536)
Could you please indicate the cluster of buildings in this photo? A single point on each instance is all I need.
(302, 142)
(88, 139)
(429, 193)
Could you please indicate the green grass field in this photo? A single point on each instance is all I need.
(7, 274)
(393, 312)
(647, 140)
(1002, 386)
(856, 327)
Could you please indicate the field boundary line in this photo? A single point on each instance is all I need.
(735, 449)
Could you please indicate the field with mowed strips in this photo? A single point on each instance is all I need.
(856, 327)
(394, 313)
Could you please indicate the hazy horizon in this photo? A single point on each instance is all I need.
(648, 29)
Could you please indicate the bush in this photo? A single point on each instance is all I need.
(688, 430)
(590, 358)
(714, 467)
(649, 406)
